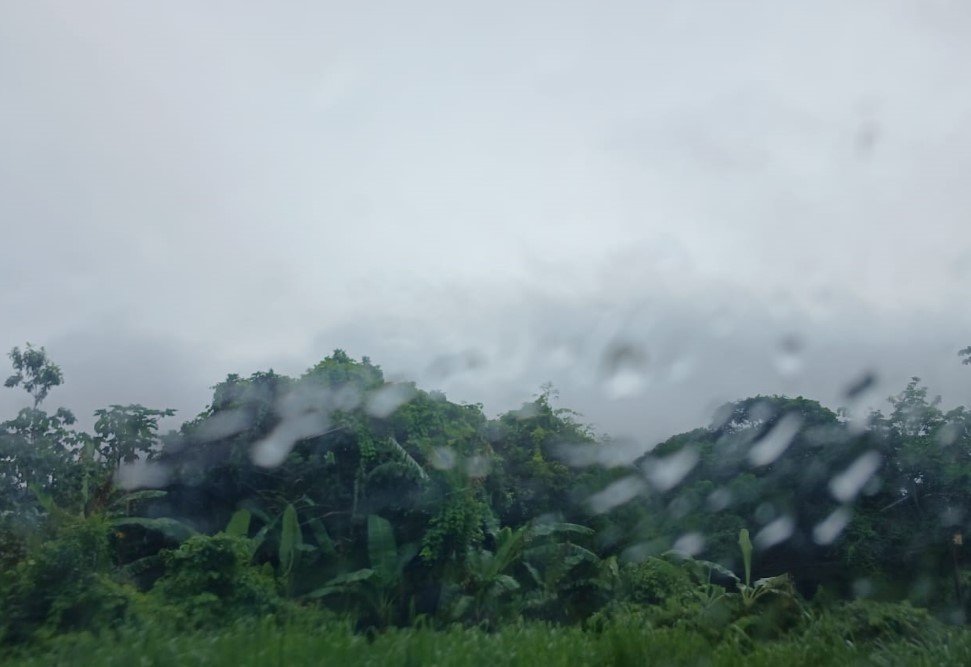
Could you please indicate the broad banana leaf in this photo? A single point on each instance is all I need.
(290, 540)
(238, 525)
(381, 547)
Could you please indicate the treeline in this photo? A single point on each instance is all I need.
(390, 505)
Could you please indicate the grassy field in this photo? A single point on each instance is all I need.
(528, 645)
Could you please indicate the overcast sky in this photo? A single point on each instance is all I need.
(714, 199)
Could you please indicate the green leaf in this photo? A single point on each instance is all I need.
(406, 552)
(382, 551)
(342, 583)
(534, 573)
(43, 499)
(143, 564)
(238, 525)
(746, 544)
(509, 548)
(290, 540)
(549, 528)
(461, 606)
(505, 582)
(717, 567)
(324, 542)
(257, 540)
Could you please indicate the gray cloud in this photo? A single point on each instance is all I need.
(192, 190)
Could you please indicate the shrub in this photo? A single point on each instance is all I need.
(654, 581)
(868, 621)
(64, 585)
(209, 580)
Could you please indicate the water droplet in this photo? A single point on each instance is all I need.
(680, 506)
(847, 484)
(788, 359)
(616, 493)
(346, 398)
(443, 458)
(681, 369)
(612, 453)
(667, 472)
(827, 530)
(141, 475)
(527, 411)
(776, 441)
(952, 516)
(271, 451)
(640, 552)
(477, 466)
(623, 369)
(867, 136)
(950, 434)
(863, 588)
(764, 513)
(861, 385)
(562, 356)
(446, 365)
(691, 544)
(775, 533)
(383, 402)
(222, 425)
(719, 499)
(274, 449)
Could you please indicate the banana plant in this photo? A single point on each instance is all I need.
(559, 568)
(488, 585)
(116, 510)
(489, 589)
(379, 589)
(752, 592)
(293, 554)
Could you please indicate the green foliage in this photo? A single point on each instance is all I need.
(377, 592)
(290, 541)
(64, 584)
(238, 525)
(34, 372)
(654, 581)
(746, 546)
(622, 642)
(864, 621)
(125, 433)
(209, 580)
(457, 528)
(377, 473)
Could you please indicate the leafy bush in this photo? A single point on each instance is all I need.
(64, 585)
(209, 580)
(654, 581)
(868, 621)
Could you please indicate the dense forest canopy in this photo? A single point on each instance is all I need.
(387, 503)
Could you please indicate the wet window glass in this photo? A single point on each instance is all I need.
(404, 334)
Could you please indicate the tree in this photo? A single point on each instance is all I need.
(123, 432)
(966, 353)
(35, 447)
(35, 372)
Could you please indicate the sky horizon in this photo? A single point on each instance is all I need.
(656, 207)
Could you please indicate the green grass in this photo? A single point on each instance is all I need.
(266, 644)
